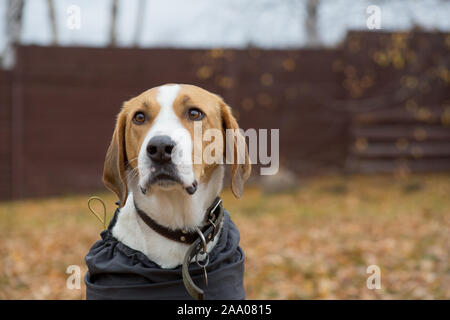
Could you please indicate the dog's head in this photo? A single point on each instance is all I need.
(153, 144)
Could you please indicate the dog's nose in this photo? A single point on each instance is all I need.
(159, 149)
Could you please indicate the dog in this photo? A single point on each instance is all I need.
(150, 166)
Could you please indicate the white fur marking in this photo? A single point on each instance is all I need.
(168, 123)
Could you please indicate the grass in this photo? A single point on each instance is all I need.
(313, 243)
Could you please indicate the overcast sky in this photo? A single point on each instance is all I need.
(220, 23)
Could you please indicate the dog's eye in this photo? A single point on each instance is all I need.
(139, 118)
(195, 114)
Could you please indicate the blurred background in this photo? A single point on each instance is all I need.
(359, 91)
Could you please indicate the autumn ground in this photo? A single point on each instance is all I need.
(314, 242)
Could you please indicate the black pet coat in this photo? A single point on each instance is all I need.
(116, 271)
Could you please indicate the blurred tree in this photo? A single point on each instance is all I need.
(13, 29)
(52, 17)
(305, 13)
(139, 22)
(311, 23)
(113, 26)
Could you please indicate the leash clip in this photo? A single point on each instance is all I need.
(212, 215)
(202, 237)
(211, 212)
(204, 265)
(214, 225)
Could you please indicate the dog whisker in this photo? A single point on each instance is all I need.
(132, 174)
(127, 164)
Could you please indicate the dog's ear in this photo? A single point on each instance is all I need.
(235, 144)
(114, 176)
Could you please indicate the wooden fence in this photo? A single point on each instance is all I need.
(378, 103)
(406, 126)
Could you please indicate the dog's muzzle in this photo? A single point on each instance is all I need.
(160, 150)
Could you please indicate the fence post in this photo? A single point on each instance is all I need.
(17, 128)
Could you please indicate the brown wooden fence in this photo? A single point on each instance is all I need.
(371, 105)
(5, 135)
(407, 123)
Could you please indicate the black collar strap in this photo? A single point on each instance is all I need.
(212, 215)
